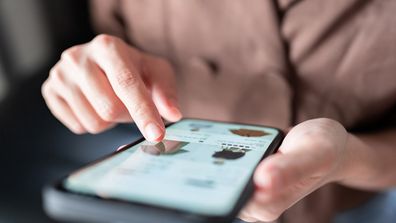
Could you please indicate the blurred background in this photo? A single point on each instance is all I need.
(35, 147)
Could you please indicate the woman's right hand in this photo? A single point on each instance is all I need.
(106, 81)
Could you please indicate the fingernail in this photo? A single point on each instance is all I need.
(153, 132)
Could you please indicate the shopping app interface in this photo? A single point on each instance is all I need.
(200, 167)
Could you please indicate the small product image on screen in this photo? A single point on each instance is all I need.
(200, 167)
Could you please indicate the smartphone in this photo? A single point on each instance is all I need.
(201, 172)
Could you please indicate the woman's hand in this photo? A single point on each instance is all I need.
(311, 155)
(106, 81)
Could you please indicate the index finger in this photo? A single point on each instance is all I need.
(125, 78)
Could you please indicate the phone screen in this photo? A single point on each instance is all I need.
(201, 167)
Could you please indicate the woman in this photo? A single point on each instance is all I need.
(324, 67)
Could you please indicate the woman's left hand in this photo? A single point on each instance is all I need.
(311, 155)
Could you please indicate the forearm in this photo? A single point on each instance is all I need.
(370, 162)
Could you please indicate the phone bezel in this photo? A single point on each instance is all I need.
(244, 196)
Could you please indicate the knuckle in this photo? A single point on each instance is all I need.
(126, 78)
(71, 55)
(46, 93)
(139, 110)
(53, 70)
(45, 89)
(56, 75)
(109, 112)
(104, 40)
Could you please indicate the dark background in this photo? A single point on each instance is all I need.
(35, 147)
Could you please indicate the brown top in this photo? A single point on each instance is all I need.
(269, 62)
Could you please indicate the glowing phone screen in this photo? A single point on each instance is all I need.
(200, 167)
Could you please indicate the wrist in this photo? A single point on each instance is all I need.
(353, 166)
(347, 164)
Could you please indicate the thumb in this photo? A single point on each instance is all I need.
(162, 83)
(281, 180)
(281, 171)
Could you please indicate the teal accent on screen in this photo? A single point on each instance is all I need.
(200, 167)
